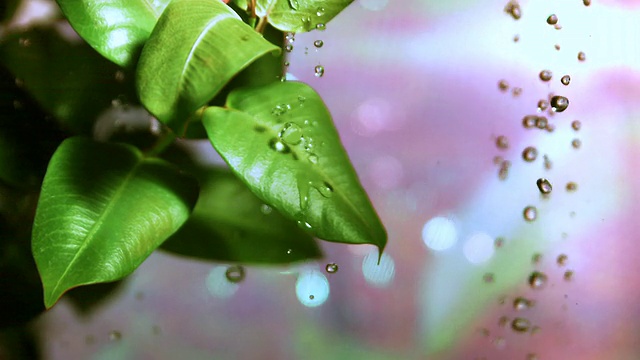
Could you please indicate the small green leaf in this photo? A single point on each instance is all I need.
(117, 29)
(230, 224)
(194, 50)
(280, 140)
(300, 15)
(102, 210)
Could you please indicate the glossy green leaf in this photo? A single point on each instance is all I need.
(230, 224)
(102, 210)
(194, 50)
(298, 15)
(117, 29)
(280, 140)
(68, 79)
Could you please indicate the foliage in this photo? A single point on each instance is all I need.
(97, 202)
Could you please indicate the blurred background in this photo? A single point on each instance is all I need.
(512, 218)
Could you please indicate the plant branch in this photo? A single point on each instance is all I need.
(262, 23)
(164, 140)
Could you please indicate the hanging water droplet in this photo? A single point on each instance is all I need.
(575, 124)
(513, 8)
(318, 43)
(545, 75)
(115, 335)
(537, 280)
(520, 304)
(320, 11)
(582, 56)
(576, 143)
(502, 142)
(313, 158)
(529, 153)
(565, 80)
(288, 48)
(234, 274)
(266, 209)
(562, 259)
(294, 4)
(279, 146)
(291, 133)
(552, 19)
(520, 325)
(331, 268)
(503, 85)
(321, 26)
(319, 70)
(572, 186)
(530, 213)
(559, 103)
(544, 186)
(290, 37)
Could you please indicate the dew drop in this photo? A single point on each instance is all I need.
(562, 259)
(115, 335)
(552, 19)
(321, 26)
(234, 274)
(279, 146)
(542, 122)
(319, 70)
(529, 121)
(530, 153)
(559, 103)
(280, 110)
(565, 80)
(289, 251)
(320, 11)
(520, 304)
(318, 43)
(537, 280)
(288, 48)
(286, 64)
(294, 4)
(503, 85)
(502, 142)
(545, 75)
(513, 8)
(572, 186)
(575, 124)
(520, 325)
(266, 209)
(291, 134)
(576, 143)
(331, 268)
(313, 158)
(530, 213)
(544, 186)
(582, 56)
(245, 38)
(304, 225)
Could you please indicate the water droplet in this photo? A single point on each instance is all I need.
(266, 209)
(568, 275)
(503, 173)
(304, 224)
(325, 189)
(576, 143)
(320, 11)
(286, 64)
(288, 48)
(311, 297)
(306, 22)
(290, 37)
(502, 142)
(294, 4)
(565, 80)
(503, 85)
(547, 162)
(572, 186)
(582, 56)
(545, 75)
(530, 213)
(544, 186)
(557, 46)
(543, 105)
(559, 103)
(520, 324)
(537, 280)
(516, 91)
(321, 26)
(552, 19)
(115, 335)
(520, 304)
(529, 121)
(313, 158)
(562, 259)
(319, 70)
(536, 258)
(575, 124)
(259, 129)
(245, 38)
(280, 110)
(542, 122)
(529, 153)
(331, 268)
(279, 146)
(513, 8)
(234, 274)
(586, 2)
(318, 43)
(289, 251)
(291, 134)
(516, 38)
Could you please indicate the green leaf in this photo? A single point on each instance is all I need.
(194, 50)
(299, 15)
(230, 224)
(280, 140)
(70, 80)
(117, 29)
(103, 209)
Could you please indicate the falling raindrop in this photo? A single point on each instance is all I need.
(562, 259)
(331, 268)
(582, 56)
(576, 143)
(530, 213)
(537, 280)
(552, 19)
(545, 75)
(502, 142)
(291, 133)
(312, 288)
(544, 186)
(572, 186)
(520, 325)
(318, 43)
(530, 153)
(115, 335)
(503, 85)
(559, 103)
(513, 8)
(575, 124)
(234, 274)
(319, 70)
(521, 303)
(565, 80)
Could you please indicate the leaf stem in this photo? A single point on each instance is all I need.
(262, 23)
(161, 144)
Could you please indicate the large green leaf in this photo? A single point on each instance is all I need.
(117, 29)
(194, 50)
(230, 224)
(280, 140)
(297, 15)
(103, 209)
(70, 80)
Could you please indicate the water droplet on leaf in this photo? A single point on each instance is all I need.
(321, 26)
(294, 4)
(291, 134)
(279, 146)
(313, 158)
(266, 209)
(320, 11)
(288, 48)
